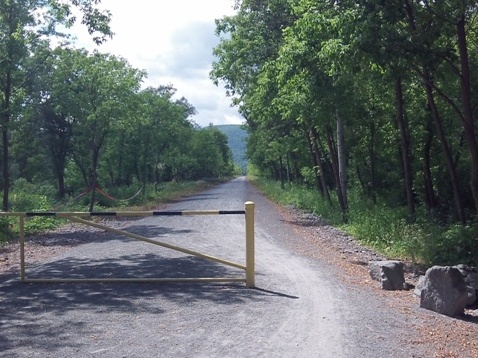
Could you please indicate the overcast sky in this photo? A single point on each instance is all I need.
(173, 41)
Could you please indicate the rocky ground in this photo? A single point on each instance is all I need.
(450, 337)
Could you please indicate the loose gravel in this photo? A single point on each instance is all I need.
(96, 317)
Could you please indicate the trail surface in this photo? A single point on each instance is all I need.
(299, 308)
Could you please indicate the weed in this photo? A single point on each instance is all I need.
(385, 228)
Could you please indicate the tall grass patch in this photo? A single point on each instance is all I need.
(384, 228)
(301, 197)
(26, 197)
(450, 245)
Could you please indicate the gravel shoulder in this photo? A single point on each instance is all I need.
(425, 331)
(441, 336)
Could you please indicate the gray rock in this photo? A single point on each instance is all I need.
(470, 274)
(444, 291)
(389, 274)
(419, 286)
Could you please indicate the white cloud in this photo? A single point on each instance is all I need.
(173, 42)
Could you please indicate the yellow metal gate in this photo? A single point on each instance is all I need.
(79, 217)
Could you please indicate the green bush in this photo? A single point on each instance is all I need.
(5, 230)
(23, 186)
(26, 197)
(451, 245)
(301, 197)
(385, 228)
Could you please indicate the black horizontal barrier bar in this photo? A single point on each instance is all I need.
(155, 213)
(41, 214)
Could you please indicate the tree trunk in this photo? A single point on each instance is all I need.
(289, 179)
(373, 174)
(315, 164)
(94, 173)
(93, 186)
(296, 168)
(439, 127)
(405, 149)
(5, 171)
(314, 138)
(281, 172)
(469, 128)
(61, 186)
(445, 147)
(429, 192)
(335, 169)
(7, 91)
(341, 158)
(59, 162)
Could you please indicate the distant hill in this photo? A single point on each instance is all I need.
(237, 137)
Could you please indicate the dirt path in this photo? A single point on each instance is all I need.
(308, 303)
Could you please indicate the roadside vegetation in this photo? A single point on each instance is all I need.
(383, 228)
(365, 113)
(27, 197)
(80, 131)
(361, 112)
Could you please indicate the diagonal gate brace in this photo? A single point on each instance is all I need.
(249, 268)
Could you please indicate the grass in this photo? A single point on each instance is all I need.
(28, 198)
(383, 228)
(379, 226)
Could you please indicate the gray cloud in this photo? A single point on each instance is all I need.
(191, 54)
(186, 65)
(173, 42)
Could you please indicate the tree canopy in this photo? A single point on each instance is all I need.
(378, 97)
(83, 121)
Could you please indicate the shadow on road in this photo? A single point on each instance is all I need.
(27, 309)
(199, 197)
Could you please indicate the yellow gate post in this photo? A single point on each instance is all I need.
(22, 247)
(250, 255)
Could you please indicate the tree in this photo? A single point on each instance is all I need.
(56, 134)
(98, 93)
(47, 115)
(164, 129)
(24, 27)
(373, 88)
(423, 33)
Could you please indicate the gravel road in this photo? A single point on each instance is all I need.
(300, 307)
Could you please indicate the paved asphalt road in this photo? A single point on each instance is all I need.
(297, 310)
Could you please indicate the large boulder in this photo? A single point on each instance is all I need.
(389, 274)
(419, 286)
(470, 274)
(444, 291)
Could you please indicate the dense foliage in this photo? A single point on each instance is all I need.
(365, 99)
(80, 123)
